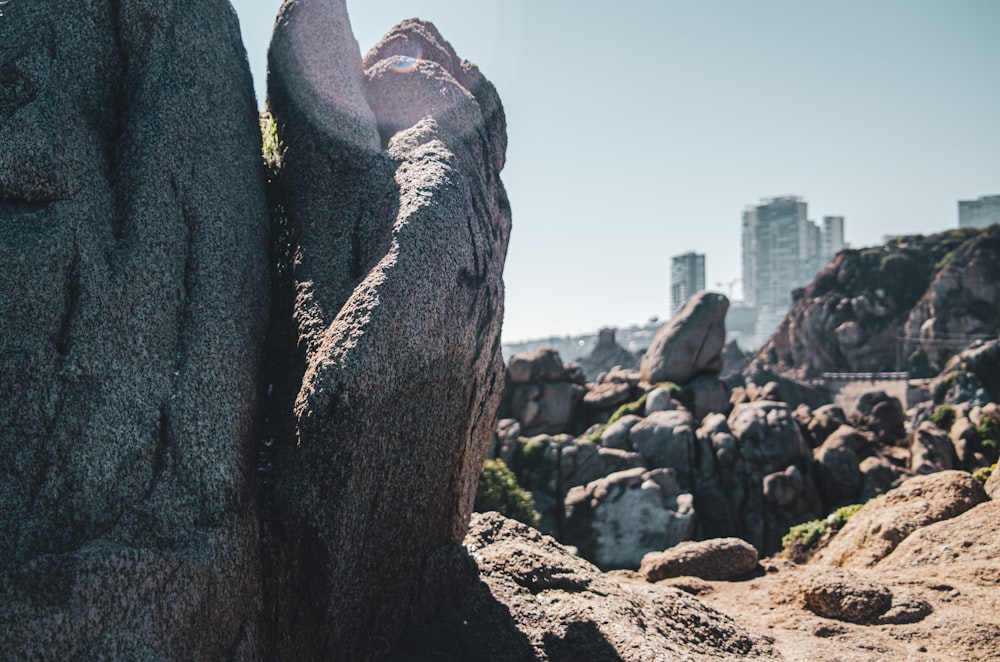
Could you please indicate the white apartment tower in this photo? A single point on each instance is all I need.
(980, 213)
(783, 250)
(687, 276)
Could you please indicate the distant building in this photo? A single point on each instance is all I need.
(687, 276)
(980, 213)
(833, 238)
(783, 250)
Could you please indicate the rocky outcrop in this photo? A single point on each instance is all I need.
(690, 344)
(850, 317)
(133, 229)
(542, 394)
(958, 547)
(607, 354)
(399, 226)
(522, 596)
(616, 520)
(875, 531)
(961, 302)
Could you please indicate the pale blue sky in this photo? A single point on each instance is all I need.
(640, 130)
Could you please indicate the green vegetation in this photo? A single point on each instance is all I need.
(630, 408)
(983, 474)
(943, 417)
(272, 153)
(499, 491)
(799, 540)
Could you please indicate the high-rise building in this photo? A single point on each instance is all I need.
(687, 276)
(783, 250)
(980, 213)
(833, 238)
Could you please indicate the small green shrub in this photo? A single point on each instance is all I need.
(983, 474)
(498, 490)
(629, 408)
(943, 417)
(797, 543)
(989, 428)
(805, 534)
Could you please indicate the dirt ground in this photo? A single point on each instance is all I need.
(964, 623)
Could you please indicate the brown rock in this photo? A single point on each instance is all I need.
(716, 559)
(398, 302)
(966, 546)
(535, 601)
(845, 596)
(874, 531)
(690, 344)
(931, 450)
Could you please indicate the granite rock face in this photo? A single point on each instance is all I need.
(882, 524)
(933, 291)
(399, 226)
(518, 595)
(133, 228)
(690, 344)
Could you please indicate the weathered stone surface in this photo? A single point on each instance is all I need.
(875, 531)
(965, 546)
(931, 450)
(716, 559)
(535, 601)
(961, 301)
(607, 354)
(398, 301)
(768, 434)
(850, 317)
(689, 344)
(993, 484)
(824, 421)
(708, 396)
(666, 439)
(542, 365)
(618, 519)
(845, 596)
(616, 434)
(839, 476)
(133, 230)
(659, 399)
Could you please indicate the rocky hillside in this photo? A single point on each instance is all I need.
(908, 305)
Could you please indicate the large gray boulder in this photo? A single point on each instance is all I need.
(690, 344)
(616, 520)
(399, 224)
(133, 231)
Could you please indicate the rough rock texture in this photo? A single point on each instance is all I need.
(992, 485)
(607, 354)
(541, 394)
(618, 519)
(931, 450)
(133, 231)
(399, 226)
(533, 600)
(965, 546)
(960, 302)
(849, 318)
(875, 531)
(768, 440)
(690, 344)
(715, 559)
(845, 596)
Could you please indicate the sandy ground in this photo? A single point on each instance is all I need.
(964, 624)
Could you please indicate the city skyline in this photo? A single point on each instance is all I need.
(638, 132)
